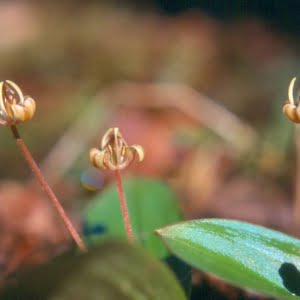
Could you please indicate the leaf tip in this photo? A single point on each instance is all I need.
(158, 232)
(162, 232)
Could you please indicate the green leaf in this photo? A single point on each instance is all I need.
(114, 271)
(151, 203)
(243, 254)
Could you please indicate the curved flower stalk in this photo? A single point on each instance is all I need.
(16, 109)
(115, 155)
(292, 109)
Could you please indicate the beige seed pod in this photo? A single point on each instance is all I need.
(29, 105)
(14, 107)
(114, 153)
(290, 112)
(290, 109)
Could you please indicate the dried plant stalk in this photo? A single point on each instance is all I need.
(43, 183)
(123, 205)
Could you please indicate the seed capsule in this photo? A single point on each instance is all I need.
(290, 109)
(114, 153)
(14, 107)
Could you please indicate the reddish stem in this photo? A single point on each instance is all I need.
(124, 207)
(42, 181)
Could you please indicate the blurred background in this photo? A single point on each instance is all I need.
(199, 84)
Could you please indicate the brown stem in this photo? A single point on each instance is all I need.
(124, 207)
(297, 181)
(42, 181)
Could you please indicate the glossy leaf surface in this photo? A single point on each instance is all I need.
(246, 255)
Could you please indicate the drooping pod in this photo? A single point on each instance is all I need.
(290, 109)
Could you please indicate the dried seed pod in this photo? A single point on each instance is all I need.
(114, 153)
(290, 109)
(14, 107)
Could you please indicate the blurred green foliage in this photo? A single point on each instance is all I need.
(114, 270)
(151, 203)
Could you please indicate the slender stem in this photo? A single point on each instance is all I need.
(42, 181)
(297, 181)
(124, 207)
